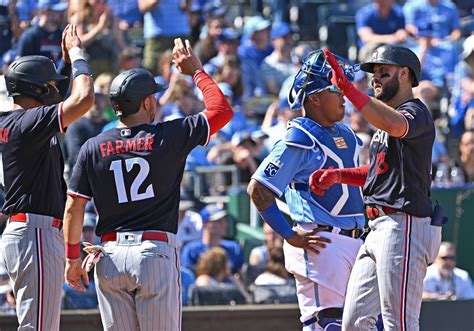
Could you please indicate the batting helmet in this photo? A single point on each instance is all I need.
(28, 76)
(397, 55)
(314, 76)
(129, 88)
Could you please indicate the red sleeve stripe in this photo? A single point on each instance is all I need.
(208, 128)
(60, 117)
(77, 194)
(407, 128)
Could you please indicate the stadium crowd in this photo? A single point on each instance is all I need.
(253, 50)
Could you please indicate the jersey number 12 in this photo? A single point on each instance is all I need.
(116, 167)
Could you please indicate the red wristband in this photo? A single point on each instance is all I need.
(359, 99)
(73, 251)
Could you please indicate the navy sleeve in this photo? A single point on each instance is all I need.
(25, 44)
(186, 133)
(418, 120)
(43, 122)
(79, 184)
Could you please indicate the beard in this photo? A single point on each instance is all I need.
(389, 90)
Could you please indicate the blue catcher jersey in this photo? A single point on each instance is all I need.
(307, 147)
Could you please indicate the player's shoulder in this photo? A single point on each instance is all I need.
(414, 107)
(298, 133)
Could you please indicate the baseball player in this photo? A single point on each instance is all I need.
(31, 171)
(134, 172)
(321, 248)
(390, 267)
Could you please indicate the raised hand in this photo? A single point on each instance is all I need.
(322, 179)
(70, 39)
(185, 59)
(309, 240)
(338, 78)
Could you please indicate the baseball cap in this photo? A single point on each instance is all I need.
(256, 23)
(468, 47)
(280, 30)
(229, 34)
(240, 137)
(55, 5)
(212, 213)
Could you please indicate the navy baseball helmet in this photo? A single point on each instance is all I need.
(129, 88)
(29, 75)
(315, 76)
(396, 55)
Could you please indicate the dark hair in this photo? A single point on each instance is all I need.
(276, 262)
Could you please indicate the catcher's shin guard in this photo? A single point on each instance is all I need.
(329, 319)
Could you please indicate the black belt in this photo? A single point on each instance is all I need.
(354, 233)
(299, 186)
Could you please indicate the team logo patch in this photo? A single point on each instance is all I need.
(272, 168)
(340, 142)
(125, 133)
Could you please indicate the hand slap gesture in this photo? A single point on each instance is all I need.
(184, 58)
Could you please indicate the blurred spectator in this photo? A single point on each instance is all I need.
(462, 103)
(364, 151)
(256, 46)
(129, 58)
(206, 47)
(260, 254)
(44, 38)
(244, 152)
(278, 66)
(379, 22)
(99, 32)
(26, 10)
(9, 25)
(466, 155)
(88, 228)
(229, 72)
(86, 127)
(214, 230)
(298, 54)
(164, 20)
(276, 121)
(275, 272)
(187, 280)
(129, 16)
(213, 268)
(189, 223)
(184, 101)
(226, 44)
(435, 25)
(7, 58)
(102, 82)
(443, 281)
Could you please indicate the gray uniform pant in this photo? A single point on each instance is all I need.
(388, 273)
(139, 285)
(33, 254)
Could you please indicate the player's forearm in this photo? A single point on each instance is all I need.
(354, 176)
(72, 226)
(384, 117)
(218, 111)
(264, 200)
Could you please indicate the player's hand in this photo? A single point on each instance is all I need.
(184, 58)
(338, 78)
(309, 240)
(70, 39)
(322, 179)
(75, 275)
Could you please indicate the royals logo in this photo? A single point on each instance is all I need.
(340, 142)
(272, 168)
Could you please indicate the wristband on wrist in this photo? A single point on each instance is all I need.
(73, 251)
(357, 98)
(80, 67)
(273, 217)
(76, 53)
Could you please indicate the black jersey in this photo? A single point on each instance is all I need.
(31, 161)
(134, 174)
(400, 168)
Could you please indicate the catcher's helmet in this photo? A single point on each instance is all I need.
(28, 76)
(129, 88)
(314, 76)
(397, 55)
